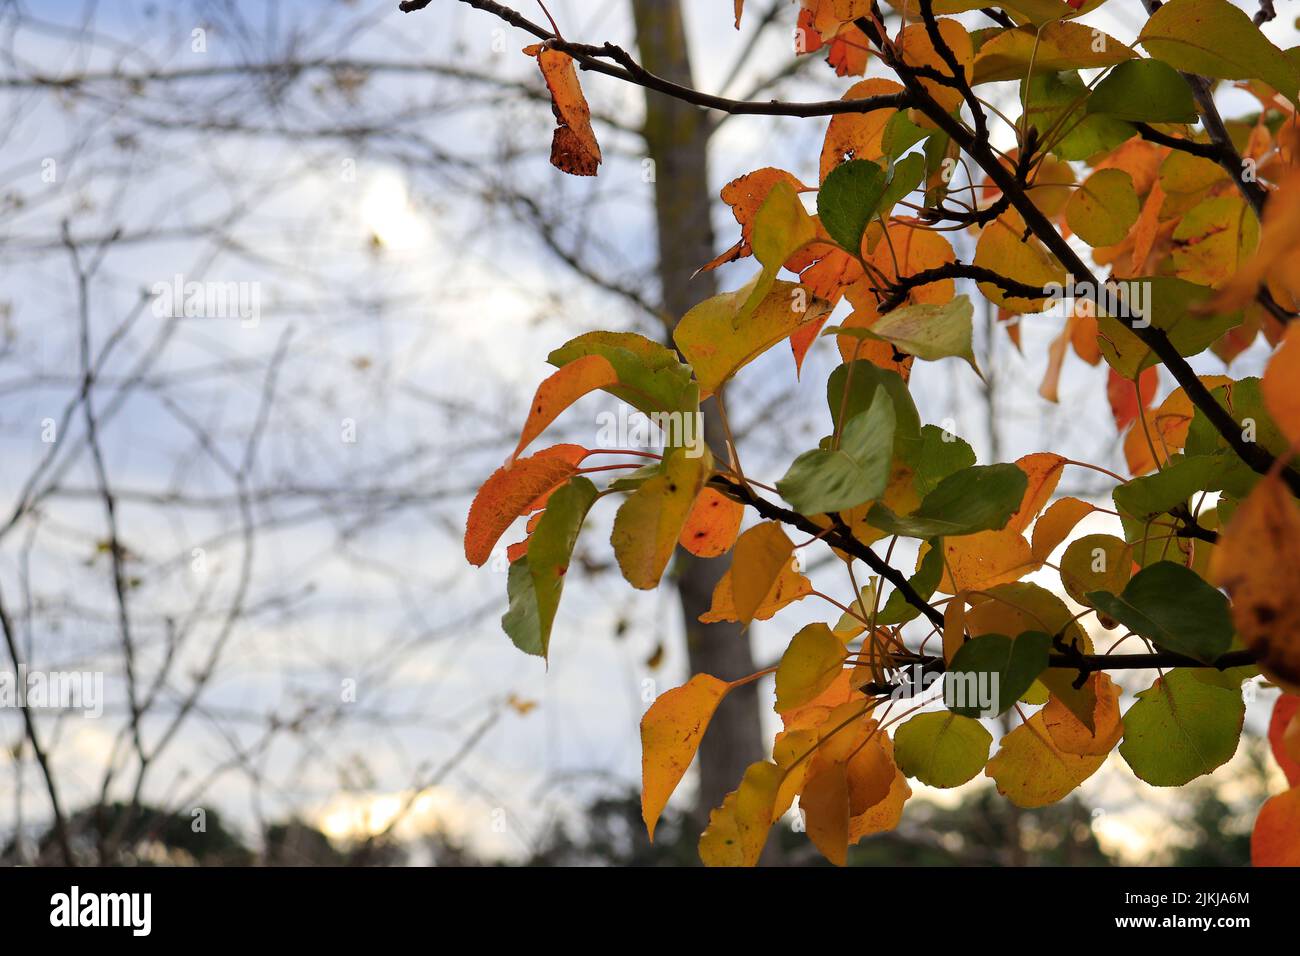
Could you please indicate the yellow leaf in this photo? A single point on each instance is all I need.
(671, 731)
(1002, 247)
(1060, 45)
(737, 830)
(1030, 770)
(761, 555)
(1070, 735)
(1257, 561)
(918, 50)
(1215, 239)
(650, 521)
(808, 666)
(1096, 562)
(716, 349)
(790, 586)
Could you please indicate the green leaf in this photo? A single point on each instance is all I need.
(1181, 728)
(1215, 38)
(781, 228)
(979, 662)
(930, 332)
(809, 665)
(1169, 304)
(536, 580)
(1104, 207)
(942, 749)
(1144, 498)
(651, 377)
(982, 498)
(862, 379)
(896, 609)
(906, 176)
(900, 135)
(848, 200)
(1057, 101)
(1144, 91)
(942, 454)
(1171, 606)
(825, 480)
(650, 521)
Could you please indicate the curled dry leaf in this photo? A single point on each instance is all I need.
(573, 145)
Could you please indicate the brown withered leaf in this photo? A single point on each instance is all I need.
(573, 147)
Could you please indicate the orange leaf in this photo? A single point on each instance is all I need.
(973, 562)
(515, 489)
(884, 815)
(562, 389)
(671, 731)
(1056, 524)
(1044, 472)
(1280, 388)
(1275, 841)
(712, 525)
(573, 147)
(1278, 254)
(1257, 561)
(857, 135)
(1070, 735)
(825, 805)
(1284, 736)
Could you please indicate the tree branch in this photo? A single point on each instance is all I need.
(592, 57)
(839, 536)
(1259, 459)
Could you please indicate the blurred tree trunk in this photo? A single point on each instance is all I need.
(677, 137)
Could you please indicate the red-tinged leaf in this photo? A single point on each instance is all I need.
(1123, 397)
(712, 525)
(1284, 736)
(562, 389)
(573, 147)
(801, 341)
(1275, 840)
(849, 51)
(671, 731)
(513, 490)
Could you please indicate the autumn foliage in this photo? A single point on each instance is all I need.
(1194, 221)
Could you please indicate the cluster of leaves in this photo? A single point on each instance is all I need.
(1204, 219)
